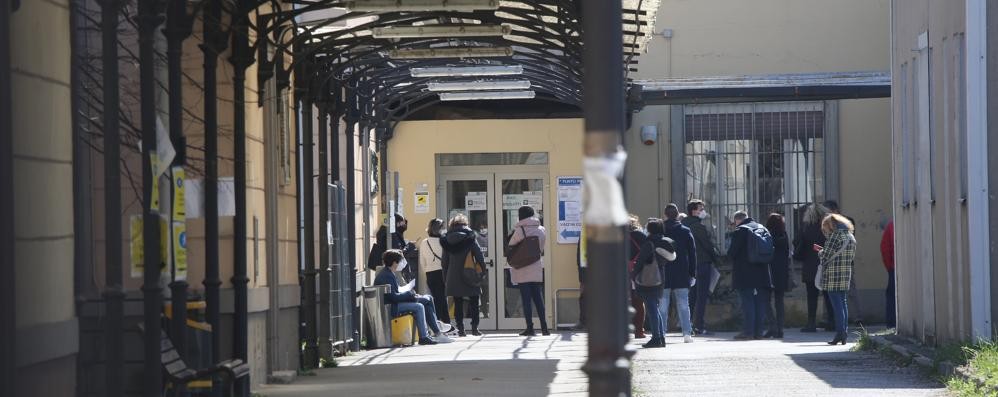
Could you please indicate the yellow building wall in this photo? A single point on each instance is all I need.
(412, 151)
(734, 37)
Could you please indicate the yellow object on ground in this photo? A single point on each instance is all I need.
(404, 330)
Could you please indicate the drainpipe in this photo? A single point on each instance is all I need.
(325, 344)
(308, 210)
(214, 43)
(149, 19)
(8, 316)
(114, 293)
(351, 163)
(241, 58)
(608, 365)
(977, 168)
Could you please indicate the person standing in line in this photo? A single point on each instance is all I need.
(809, 235)
(887, 253)
(651, 292)
(530, 279)
(779, 267)
(752, 279)
(707, 256)
(680, 273)
(857, 304)
(430, 257)
(580, 262)
(458, 244)
(382, 243)
(636, 237)
(836, 261)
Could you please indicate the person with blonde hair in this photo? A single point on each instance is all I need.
(837, 256)
(458, 244)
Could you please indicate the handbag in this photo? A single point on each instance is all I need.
(526, 253)
(470, 273)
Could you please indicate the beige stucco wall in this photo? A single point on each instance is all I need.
(731, 37)
(411, 152)
(43, 193)
(933, 263)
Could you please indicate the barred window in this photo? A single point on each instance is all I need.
(760, 158)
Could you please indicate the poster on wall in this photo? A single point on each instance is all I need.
(422, 205)
(569, 209)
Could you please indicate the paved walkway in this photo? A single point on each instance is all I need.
(503, 364)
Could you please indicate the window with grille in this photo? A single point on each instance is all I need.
(760, 158)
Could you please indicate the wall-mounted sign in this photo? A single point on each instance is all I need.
(569, 209)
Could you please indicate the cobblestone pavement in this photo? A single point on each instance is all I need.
(504, 364)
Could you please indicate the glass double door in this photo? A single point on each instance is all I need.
(491, 202)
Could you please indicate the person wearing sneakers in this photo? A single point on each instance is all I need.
(420, 306)
(680, 274)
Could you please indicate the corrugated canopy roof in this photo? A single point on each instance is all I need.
(758, 88)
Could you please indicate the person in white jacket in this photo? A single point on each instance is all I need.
(530, 279)
(430, 254)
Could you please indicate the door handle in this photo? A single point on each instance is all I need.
(490, 263)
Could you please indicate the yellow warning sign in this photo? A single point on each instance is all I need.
(137, 247)
(178, 193)
(180, 250)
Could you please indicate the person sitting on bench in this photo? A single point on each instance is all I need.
(420, 306)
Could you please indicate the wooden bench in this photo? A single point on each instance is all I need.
(178, 372)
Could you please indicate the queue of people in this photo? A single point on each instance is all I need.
(670, 259)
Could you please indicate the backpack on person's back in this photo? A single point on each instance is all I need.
(759, 246)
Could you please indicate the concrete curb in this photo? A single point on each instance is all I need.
(945, 368)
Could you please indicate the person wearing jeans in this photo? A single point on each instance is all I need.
(837, 258)
(533, 292)
(753, 280)
(408, 302)
(682, 308)
(654, 323)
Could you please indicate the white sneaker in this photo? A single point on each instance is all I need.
(444, 327)
(441, 338)
(687, 338)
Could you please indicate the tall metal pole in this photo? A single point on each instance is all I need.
(608, 365)
(214, 43)
(351, 148)
(149, 19)
(325, 343)
(8, 328)
(114, 294)
(177, 29)
(308, 191)
(240, 59)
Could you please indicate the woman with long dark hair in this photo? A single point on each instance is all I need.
(808, 236)
(779, 268)
(430, 256)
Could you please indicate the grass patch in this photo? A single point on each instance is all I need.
(963, 388)
(306, 372)
(328, 363)
(864, 342)
(982, 358)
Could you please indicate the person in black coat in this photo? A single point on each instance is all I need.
(636, 237)
(458, 244)
(679, 274)
(809, 235)
(779, 267)
(752, 280)
(381, 243)
(652, 294)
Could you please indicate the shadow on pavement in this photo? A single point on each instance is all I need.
(858, 370)
(449, 378)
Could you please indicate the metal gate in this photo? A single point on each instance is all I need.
(759, 157)
(341, 273)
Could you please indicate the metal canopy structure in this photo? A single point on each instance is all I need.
(391, 56)
(761, 88)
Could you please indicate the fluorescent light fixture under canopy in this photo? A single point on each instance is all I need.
(421, 5)
(450, 52)
(486, 95)
(478, 85)
(467, 71)
(401, 32)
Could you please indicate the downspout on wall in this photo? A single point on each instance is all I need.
(992, 137)
(977, 169)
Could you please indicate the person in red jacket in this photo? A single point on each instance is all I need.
(887, 252)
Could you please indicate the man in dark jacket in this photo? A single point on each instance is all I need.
(707, 257)
(679, 274)
(382, 244)
(752, 280)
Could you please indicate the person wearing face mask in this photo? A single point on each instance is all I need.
(382, 244)
(420, 306)
(707, 257)
(430, 256)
